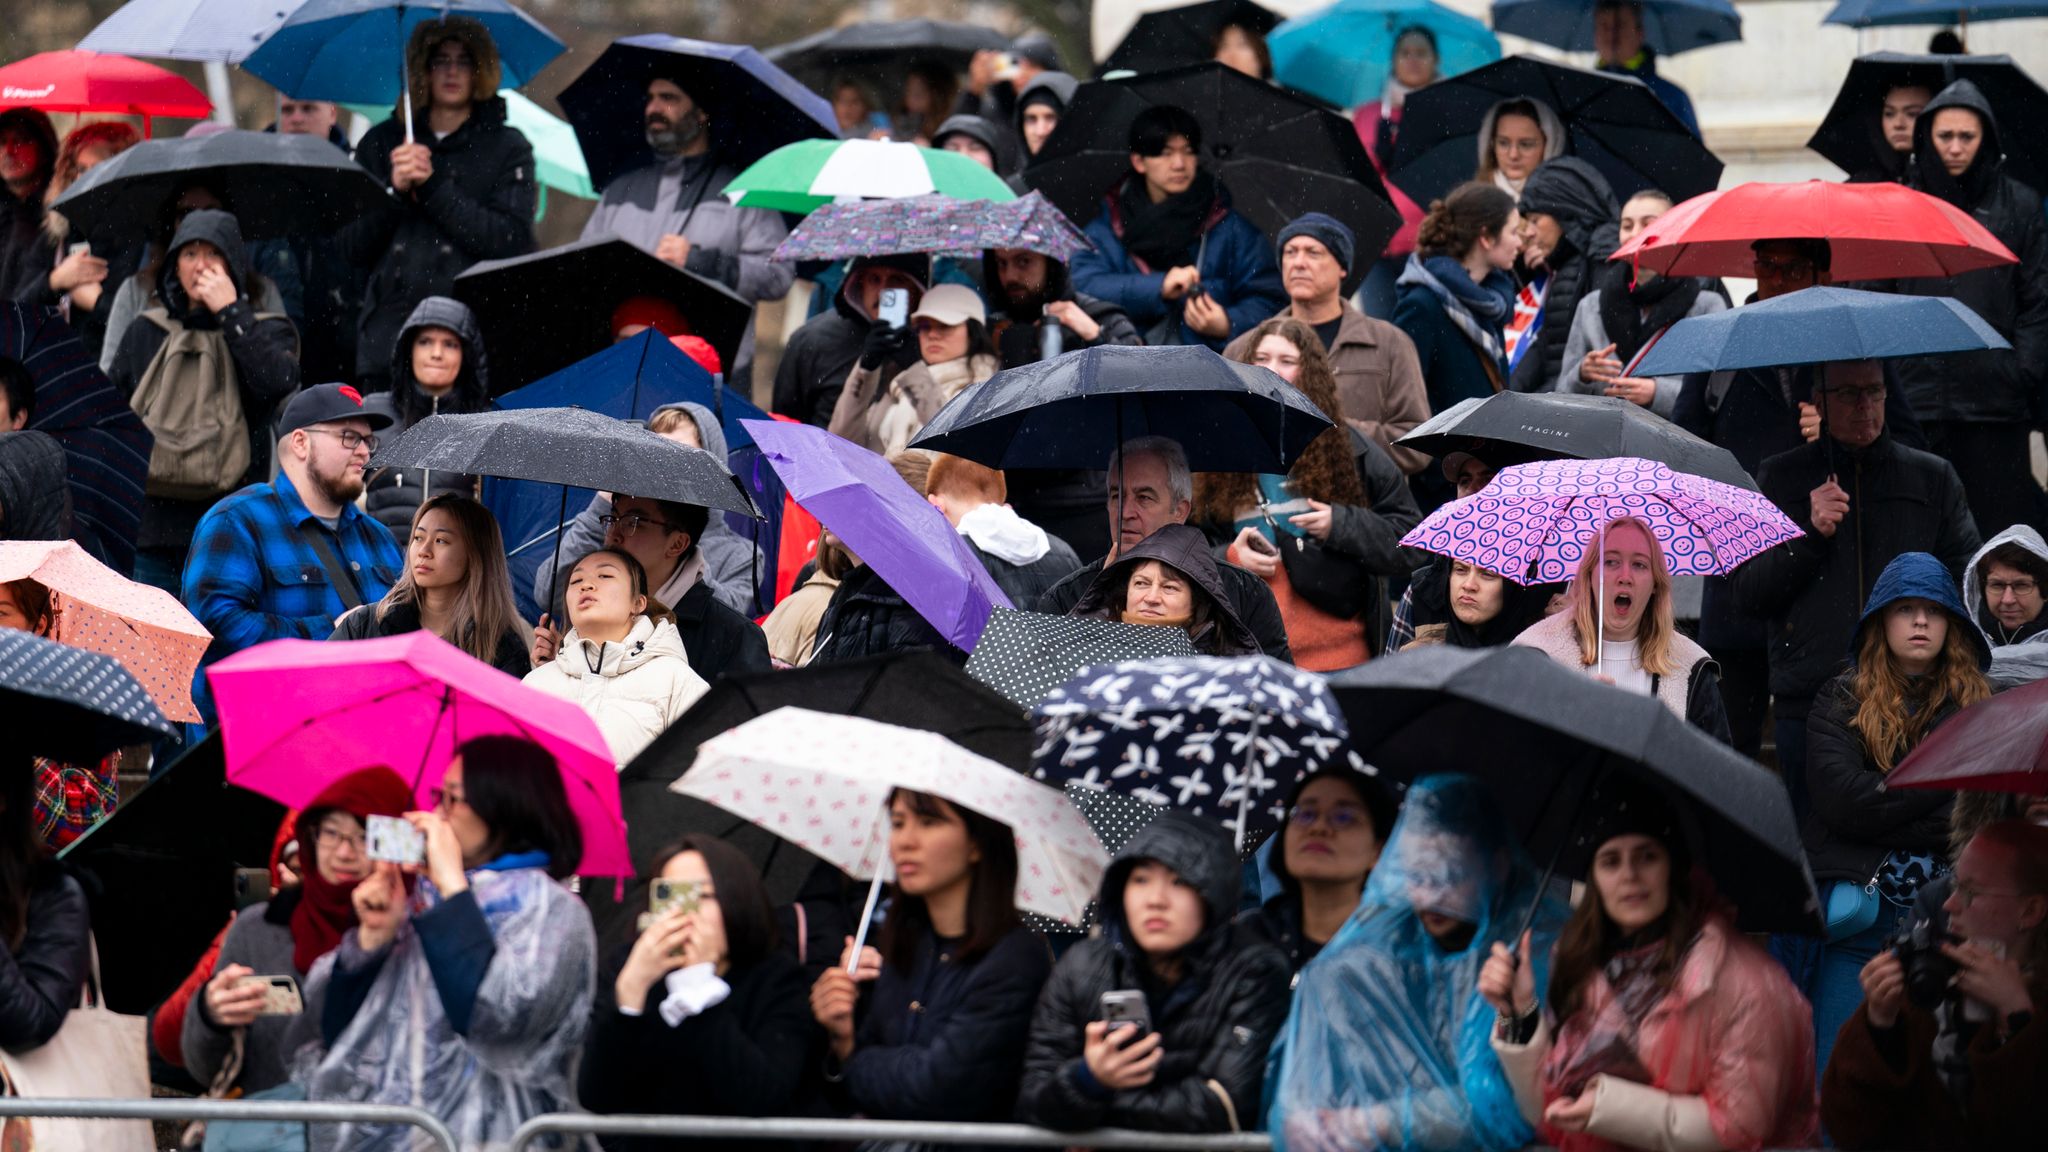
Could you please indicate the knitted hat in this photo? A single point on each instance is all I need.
(1325, 230)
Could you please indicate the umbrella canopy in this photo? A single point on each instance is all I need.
(69, 704)
(820, 781)
(1522, 427)
(353, 51)
(810, 174)
(1344, 53)
(99, 610)
(1533, 522)
(1540, 735)
(1616, 124)
(1995, 745)
(82, 81)
(298, 715)
(893, 529)
(939, 225)
(1280, 155)
(1220, 738)
(1025, 655)
(755, 107)
(1852, 137)
(571, 446)
(279, 184)
(1669, 26)
(1076, 409)
(1816, 325)
(1185, 33)
(106, 445)
(882, 50)
(557, 158)
(543, 312)
(1874, 232)
(1895, 13)
(223, 30)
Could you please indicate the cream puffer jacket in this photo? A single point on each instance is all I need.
(633, 689)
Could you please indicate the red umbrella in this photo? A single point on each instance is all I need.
(81, 81)
(1995, 745)
(1877, 232)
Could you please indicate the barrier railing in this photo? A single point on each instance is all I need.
(183, 1110)
(900, 1131)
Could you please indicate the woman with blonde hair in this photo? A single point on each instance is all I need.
(455, 585)
(1324, 536)
(1620, 628)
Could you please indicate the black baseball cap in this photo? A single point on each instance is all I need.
(323, 403)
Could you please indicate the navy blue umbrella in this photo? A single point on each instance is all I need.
(70, 704)
(755, 106)
(1669, 26)
(353, 51)
(1817, 325)
(1884, 13)
(1074, 410)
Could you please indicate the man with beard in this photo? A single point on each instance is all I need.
(672, 208)
(288, 557)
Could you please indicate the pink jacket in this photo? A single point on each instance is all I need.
(1367, 121)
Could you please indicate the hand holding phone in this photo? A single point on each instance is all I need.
(894, 307)
(280, 995)
(391, 838)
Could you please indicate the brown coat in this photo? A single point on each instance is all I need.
(1868, 1102)
(1379, 381)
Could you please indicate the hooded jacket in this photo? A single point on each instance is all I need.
(1973, 586)
(1235, 261)
(820, 355)
(1555, 139)
(478, 205)
(1250, 602)
(633, 689)
(1185, 549)
(393, 495)
(21, 221)
(1023, 560)
(1854, 822)
(884, 418)
(1001, 143)
(35, 488)
(1215, 1023)
(1014, 326)
(2013, 298)
(1579, 197)
(1054, 88)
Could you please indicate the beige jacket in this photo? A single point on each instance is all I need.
(793, 627)
(1624, 1112)
(883, 419)
(1379, 381)
(1555, 637)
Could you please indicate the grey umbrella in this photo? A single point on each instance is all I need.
(1521, 427)
(69, 704)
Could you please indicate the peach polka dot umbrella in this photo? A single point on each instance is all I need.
(96, 608)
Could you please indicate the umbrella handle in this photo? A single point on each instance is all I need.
(867, 916)
(1593, 779)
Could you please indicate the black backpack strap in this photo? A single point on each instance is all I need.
(322, 544)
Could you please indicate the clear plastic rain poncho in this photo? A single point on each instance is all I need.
(1387, 1044)
(518, 1060)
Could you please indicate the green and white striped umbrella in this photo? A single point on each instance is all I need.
(810, 174)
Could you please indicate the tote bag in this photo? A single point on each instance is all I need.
(96, 1054)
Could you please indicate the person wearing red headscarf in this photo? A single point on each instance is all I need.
(285, 935)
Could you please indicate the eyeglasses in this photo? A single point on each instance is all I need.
(1967, 893)
(335, 837)
(350, 438)
(1343, 817)
(1996, 589)
(632, 522)
(445, 798)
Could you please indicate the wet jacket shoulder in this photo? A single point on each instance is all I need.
(1853, 822)
(40, 978)
(393, 495)
(720, 642)
(866, 617)
(945, 1040)
(35, 489)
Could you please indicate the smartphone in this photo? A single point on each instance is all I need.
(1123, 1007)
(665, 896)
(894, 308)
(252, 886)
(391, 838)
(83, 246)
(1264, 547)
(280, 995)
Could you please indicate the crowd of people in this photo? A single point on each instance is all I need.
(1392, 970)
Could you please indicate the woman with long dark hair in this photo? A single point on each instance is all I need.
(1338, 819)
(455, 585)
(950, 990)
(1478, 608)
(45, 930)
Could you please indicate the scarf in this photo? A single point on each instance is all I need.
(1161, 234)
(1479, 310)
(326, 911)
(1633, 315)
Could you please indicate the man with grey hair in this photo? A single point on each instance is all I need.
(1150, 487)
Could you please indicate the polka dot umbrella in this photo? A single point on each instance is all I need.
(96, 608)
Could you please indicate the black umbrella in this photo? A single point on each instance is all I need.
(1184, 35)
(1074, 410)
(69, 704)
(275, 183)
(1280, 154)
(1024, 655)
(543, 312)
(1616, 124)
(881, 51)
(1852, 137)
(1542, 736)
(755, 107)
(161, 872)
(1520, 427)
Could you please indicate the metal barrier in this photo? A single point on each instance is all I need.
(173, 1108)
(906, 1131)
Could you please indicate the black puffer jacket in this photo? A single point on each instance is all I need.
(1854, 823)
(1214, 1024)
(392, 495)
(1182, 547)
(1576, 194)
(478, 205)
(866, 617)
(822, 353)
(21, 220)
(35, 492)
(40, 977)
(719, 641)
(2013, 298)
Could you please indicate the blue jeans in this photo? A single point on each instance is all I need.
(1837, 990)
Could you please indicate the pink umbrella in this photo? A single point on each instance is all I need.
(100, 610)
(296, 715)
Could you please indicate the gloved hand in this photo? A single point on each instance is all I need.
(882, 344)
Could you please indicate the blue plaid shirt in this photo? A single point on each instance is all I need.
(251, 577)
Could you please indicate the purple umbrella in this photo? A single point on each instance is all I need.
(891, 528)
(940, 225)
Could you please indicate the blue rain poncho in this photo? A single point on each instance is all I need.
(1387, 1043)
(515, 1056)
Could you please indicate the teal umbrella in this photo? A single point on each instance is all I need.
(1343, 53)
